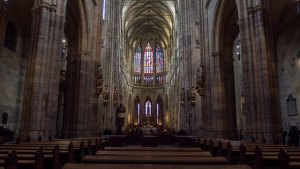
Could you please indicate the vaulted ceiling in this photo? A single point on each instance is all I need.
(148, 20)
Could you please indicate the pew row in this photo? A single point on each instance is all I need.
(176, 149)
(154, 153)
(155, 160)
(8, 160)
(150, 166)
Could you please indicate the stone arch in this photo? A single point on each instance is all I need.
(225, 29)
(77, 35)
(159, 111)
(166, 110)
(137, 110)
(218, 22)
(148, 98)
(129, 109)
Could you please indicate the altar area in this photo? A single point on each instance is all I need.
(149, 125)
(149, 130)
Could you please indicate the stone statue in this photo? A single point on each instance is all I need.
(105, 95)
(193, 96)
(200, 81)
(115, 97)
(243, 104)
(182, 97)
(99, 81)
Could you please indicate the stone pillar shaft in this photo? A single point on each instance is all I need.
(43, 72)
(259, 67)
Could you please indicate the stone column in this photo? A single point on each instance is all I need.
(259, 66)
(81, 112)
(111, 60)
(218, 96)
(186, 61)
(43, 71)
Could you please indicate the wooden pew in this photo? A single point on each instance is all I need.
(289, 158)
(91, 144)
(214, 147)
(177, 149)
(26, 159)
(262, 155)
(62, 152)
(154, 153)
(231, 149)
(29, 155)
(70, 151)
(206, 144)
(151, 166)
(8, 160)
(155, 160)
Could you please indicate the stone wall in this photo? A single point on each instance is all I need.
(288, 57)
(10, 75)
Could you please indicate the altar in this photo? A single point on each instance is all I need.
(149, 130)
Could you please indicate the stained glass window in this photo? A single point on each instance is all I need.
(157, 113)
(148, 108)
(103, 9)
(148, 59)
(139, 114)
(137, 60)
(159, 60)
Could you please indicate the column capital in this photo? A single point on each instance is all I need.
(256, 9)
(45, 6)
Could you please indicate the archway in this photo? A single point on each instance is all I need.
(137, 111)
(159, 112)
(70, 60)
(227, 75)
(167, 112)
(148, 116)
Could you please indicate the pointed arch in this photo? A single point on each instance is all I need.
(85, 32)
(137, 110)
(148, 59)
(218, 22)
(159, 110)
(129, 105)
(159, 58)
(137, 59)
(148, 107)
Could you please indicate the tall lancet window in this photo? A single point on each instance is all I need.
(148, 59)
(148, 108)
(159, 60)
(137, 60)
(103, 9)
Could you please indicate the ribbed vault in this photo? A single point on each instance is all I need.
(148, 20)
